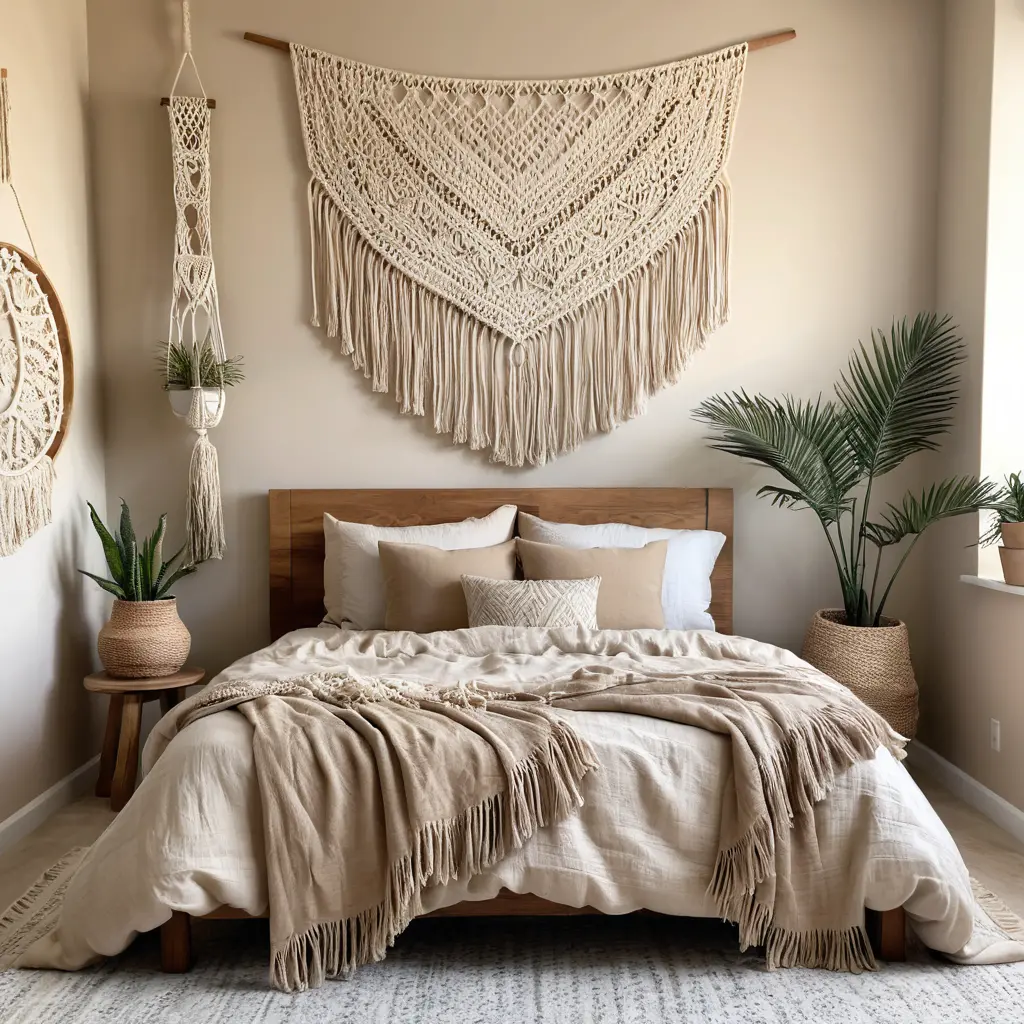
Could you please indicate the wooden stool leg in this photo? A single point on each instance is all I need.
(176, 944)
(127, 751)
(888, 932)
(168, 698)
(108, 756)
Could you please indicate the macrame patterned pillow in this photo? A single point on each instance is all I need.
(552, 603)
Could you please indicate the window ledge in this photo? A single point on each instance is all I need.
(990, 584)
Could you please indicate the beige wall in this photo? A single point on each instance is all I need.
(48, 616)
(975, 644)
(834, 174)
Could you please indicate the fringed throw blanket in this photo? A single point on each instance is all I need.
(374, 790)
(530, 258)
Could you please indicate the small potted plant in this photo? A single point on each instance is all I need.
(195, 380)
(1008, 526)
(895, 399)
(144, 636)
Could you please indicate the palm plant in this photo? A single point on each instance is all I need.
(137, 574)
(1008, 507)
(894, 400)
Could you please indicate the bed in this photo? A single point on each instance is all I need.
(181, 879)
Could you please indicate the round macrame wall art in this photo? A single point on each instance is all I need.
(36, 392)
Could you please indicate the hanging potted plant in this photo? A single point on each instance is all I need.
(1008, 526)
(144, 636)
(894, 400)
(196, 380)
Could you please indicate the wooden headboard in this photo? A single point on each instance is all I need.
(297, 536)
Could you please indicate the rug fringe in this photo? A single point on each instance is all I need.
(997, 911)
(36, 912)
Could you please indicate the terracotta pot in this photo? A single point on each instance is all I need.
(1013, 535)
(143, 639)
(872, 661)
(1013, 565)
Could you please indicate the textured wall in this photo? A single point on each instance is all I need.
(834, 175)
(48, 616)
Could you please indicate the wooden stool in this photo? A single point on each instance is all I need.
(119, 760)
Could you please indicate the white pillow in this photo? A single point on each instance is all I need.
(686, 585)
(354, 591)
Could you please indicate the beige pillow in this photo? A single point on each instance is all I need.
(630, 595)
(423, 585)
(561, 604)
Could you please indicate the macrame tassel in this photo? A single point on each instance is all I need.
(204, 513)
(529, 400)
(25, 502)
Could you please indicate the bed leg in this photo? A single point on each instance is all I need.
(888, 932)
(176, 944)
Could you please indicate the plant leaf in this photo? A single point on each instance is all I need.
(108, 585)
(900, 394)
(110, 549)
(805, 442)
(185, 570)
(956, 496)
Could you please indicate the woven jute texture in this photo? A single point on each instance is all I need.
(873, 662)
(143, 639)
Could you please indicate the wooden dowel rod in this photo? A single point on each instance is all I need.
(3, 72)
(757, 43)
(277, 44)
(165, 101)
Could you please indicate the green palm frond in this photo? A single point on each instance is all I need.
(957, 496)
(899, 395)
(804, 442)
(1008, 507)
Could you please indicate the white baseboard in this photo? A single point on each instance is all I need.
(959, 783)
(28, 818)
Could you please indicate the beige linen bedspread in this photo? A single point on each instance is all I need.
(646, 836)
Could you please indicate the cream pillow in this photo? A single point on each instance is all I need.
(686, 587)
(353, 582)
(554, 603)
(423, 585)
(630, 596)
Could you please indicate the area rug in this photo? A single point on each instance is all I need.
(633, 970)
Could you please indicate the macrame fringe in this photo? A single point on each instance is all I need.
(204, 513)
(543, 788)
(527, 401)
(25, 503)
(37, 912)
(815, 750)
(997, 911)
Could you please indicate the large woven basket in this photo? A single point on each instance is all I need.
(872, 661)
(143, 639)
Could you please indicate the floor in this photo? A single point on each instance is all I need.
(994, 857)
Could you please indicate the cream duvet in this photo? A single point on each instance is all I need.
(191, 838)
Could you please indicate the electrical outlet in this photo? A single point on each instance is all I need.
(994, 736)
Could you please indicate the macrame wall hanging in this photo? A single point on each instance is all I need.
(530, 260)
(195, 327)
(35, 375)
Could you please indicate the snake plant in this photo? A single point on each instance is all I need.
(894, 399)
(137, 573)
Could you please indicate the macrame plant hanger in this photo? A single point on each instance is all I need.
(195, 310)
(32, 374)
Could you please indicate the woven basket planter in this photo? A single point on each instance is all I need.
(143, 639)
(872, 661)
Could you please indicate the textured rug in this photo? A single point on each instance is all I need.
(631, 970)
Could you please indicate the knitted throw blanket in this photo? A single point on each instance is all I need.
(374, 790)
(530, 258)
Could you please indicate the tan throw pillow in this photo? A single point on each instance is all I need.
(630, 596)
(423, 585)
(554, 603)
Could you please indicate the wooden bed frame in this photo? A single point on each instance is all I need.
(296, 600)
